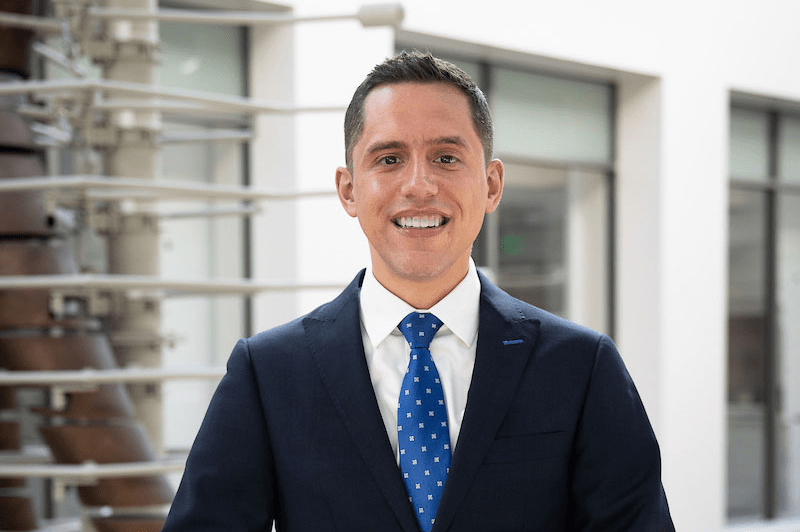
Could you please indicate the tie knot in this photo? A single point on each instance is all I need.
(419, 328)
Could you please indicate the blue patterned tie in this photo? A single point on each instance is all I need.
(422, 431)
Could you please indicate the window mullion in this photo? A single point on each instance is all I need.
(770, 340)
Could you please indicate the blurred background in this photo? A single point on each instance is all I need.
(166, 187)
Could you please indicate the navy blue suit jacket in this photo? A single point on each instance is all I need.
(554, 437)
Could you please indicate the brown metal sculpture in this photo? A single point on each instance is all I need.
(128, 524)
(10, 441)
(16, 512)
(89, 424)
(22, 213)
(15, 43)
(76, 444)
(72, 351)
(31, 308)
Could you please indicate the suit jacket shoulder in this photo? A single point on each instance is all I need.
(516, 310)
(346, 301)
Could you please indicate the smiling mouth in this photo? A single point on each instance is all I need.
(420, 222)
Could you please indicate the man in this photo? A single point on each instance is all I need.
(508, 419)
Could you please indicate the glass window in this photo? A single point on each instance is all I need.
(764, 301)
(547, 242)
(746, 357)
(526, 247)
(749, 151)
(551, 118)
(788, 332)
(202, 57)
(789, 148)
(207, 58)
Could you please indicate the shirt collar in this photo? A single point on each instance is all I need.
(381, 310)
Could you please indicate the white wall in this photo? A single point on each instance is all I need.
(674, 64)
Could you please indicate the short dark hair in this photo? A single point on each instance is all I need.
(420, 67)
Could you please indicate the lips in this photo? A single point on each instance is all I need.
(420, 222)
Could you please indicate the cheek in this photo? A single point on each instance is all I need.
(476, 199)
(369, 212)
(372, 198)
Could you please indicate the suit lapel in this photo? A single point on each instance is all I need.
(334, 338)
(505, 342)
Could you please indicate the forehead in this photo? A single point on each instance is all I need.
(394, 106)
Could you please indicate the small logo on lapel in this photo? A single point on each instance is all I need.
(511, 342)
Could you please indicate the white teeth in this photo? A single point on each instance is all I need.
(419, 222)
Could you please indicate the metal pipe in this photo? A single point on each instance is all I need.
(49, 25)
(130, 88)
(229, 18)
(368, 15)
(211, 213)
(58, 58)
(159, 189)
(91, 376)
(217, 135)
(60, 525)
(84, 284)
(89, 472)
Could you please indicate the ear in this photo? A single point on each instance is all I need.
(494, 178)
(344, 187)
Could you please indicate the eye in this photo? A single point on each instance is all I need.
(389, 159)
(446, 159)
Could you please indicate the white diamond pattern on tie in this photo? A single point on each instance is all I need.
(422, 431)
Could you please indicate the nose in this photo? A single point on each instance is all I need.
(419, 181)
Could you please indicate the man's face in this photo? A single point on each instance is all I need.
(419, 185)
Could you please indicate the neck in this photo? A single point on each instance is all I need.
(421, 294)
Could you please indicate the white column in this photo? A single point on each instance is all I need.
(638, 253)
(695, 262)
(338, 56)
(133, 244)
(272, 166)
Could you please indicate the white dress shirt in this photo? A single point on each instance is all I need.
(453, 347)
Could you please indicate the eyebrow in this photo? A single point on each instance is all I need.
(396, 144)
(388, 145)
(455, 140)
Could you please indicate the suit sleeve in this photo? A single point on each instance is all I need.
(228, 480)
(616, 467)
